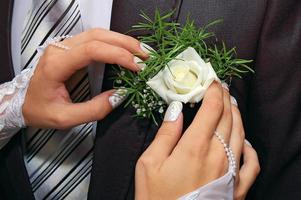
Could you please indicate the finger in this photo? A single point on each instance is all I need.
(168, 134)
(225, 125)
(248, 172)
(117, 39)
(95, 109)
(61, 66)
(207, 118)
(237, 134)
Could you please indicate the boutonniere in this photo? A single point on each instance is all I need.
(183, 62)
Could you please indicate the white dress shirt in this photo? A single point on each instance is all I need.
(94, 13)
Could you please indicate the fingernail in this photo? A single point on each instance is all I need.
(139, 62)
(225, 86)
(173, 111)
(233, 101)
(248, 143)
(146, 48)
(117, 97)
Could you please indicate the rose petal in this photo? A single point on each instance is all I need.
(166, 87)
(158, 85)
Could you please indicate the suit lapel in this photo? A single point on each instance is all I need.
(120, 138)
(6, 67)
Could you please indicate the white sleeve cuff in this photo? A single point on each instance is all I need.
(12, 95)
(221, 188)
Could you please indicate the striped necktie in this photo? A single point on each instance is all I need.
(58, 162)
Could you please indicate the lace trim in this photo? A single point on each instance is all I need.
(12, 95)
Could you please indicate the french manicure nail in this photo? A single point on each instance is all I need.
(146, 48)
(117, 97)
(139, 62)
(173, 111)
(225, 86)
(233, 101)
(248, 143)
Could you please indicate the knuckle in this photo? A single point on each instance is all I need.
(235, 112)
(125, 56)
(192, 152)
(146, 161)
(95, 32)
(240, 134)
(60, 121)
(47, 64)
(257, 168)
(133, 41)
(91, 47)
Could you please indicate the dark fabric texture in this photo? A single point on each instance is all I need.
(273, 111)
(268, 31)
(6, 67)
(14, 182)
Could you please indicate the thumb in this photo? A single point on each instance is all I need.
(95, 109)
(169, 133)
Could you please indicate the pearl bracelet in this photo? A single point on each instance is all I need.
(229, 153)
(55, 42)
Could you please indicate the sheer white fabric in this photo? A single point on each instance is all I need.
(12, 95)
(221, 189)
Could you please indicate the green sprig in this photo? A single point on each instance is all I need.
(169, 39)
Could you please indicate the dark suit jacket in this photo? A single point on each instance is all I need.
(267, 31)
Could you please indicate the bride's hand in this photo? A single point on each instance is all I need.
(48, 104)
(176, 164)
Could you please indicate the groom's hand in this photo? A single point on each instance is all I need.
(47, 102)
(176, 164)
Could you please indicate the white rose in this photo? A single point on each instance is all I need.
(186, 79)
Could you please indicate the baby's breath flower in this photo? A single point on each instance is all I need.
(138, 111)
(161, 110)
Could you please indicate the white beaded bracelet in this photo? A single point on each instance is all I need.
(55, 42)
(229, 153)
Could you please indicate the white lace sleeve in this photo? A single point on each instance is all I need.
(12, 95)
